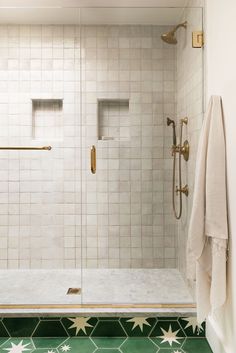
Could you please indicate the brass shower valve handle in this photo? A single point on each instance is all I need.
(184, 150)
(184, 190)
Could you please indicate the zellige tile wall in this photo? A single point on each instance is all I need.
(39, 193)
(127, 220)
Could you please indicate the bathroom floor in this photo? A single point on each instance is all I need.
(102, 345)
(99, 286)
(103, 335)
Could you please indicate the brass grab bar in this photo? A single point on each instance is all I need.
(93, 159)
(36, 148)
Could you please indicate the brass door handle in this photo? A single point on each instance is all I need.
(93, 159)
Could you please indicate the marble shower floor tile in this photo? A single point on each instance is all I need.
(99, 286)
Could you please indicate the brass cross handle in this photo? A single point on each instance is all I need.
(184, 190)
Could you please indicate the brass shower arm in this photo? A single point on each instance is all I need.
(184, 25)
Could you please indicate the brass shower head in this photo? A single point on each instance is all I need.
(169, 37)
(171, 122)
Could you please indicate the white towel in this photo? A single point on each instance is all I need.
(208, 229)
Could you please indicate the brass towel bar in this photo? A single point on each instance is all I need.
(27, 148)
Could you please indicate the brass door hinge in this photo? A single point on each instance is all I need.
(197, 39)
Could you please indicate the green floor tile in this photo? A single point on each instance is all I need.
(110, 342)
(17, 345)
(108, 329)
(168, 318)
(3, 340)
(50, 329)
(138, 345)
(171, 350)
(191, 327)
(196, 345)
(53, 342)
(138, 326)
(20, 327)
(49, 318)
(77, 345)
(109, 318)
(45, 350)
(3, 331)
(101, 350)
(79, 326)
(168, 334)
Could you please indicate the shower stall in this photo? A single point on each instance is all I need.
(86, 217)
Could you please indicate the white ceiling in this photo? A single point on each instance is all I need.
(92, 16)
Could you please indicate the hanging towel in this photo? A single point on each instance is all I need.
(208, 229)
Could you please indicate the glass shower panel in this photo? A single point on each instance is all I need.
(130, 79)
(40, 189)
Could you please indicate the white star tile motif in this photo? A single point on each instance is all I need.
(139, 321)
(65, 348)
(169, 336)
(176, 352)
(17, 348)
(80, 323)
(192, 322)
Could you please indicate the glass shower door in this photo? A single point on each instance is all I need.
(123, 201)
(134, 250)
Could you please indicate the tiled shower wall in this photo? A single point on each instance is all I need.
(39, 190)
(128, 199)
(127, 218)
(190, 95)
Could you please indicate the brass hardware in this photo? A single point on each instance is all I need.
(184, 150)
(184, 121)
(93, 159)
(169, 37)
(74, 291)
(171, 122)
(184, 190)
(26, 148)
(197, 39)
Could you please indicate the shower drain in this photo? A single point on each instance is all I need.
(74, 291)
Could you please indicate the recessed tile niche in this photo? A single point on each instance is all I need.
(113, 119)
(47, 119)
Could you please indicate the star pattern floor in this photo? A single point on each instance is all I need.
(105, 345)
(102, 335)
